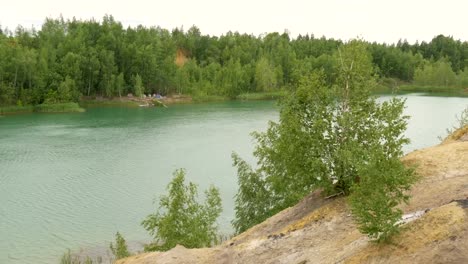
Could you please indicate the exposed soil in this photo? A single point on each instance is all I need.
(181, 57)
(319, 230)
(139, 101)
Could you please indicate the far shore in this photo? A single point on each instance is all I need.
(133, 101)
(42, 108)
(165, 101)
(147, 100)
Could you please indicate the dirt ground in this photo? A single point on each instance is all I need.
(319, 230)
(139, 101)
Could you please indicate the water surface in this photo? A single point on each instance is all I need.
(73, 180)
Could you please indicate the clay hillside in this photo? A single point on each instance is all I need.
(321, 230)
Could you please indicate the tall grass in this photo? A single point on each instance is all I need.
(42, 108)
(209, 98)
(58, 108)
(262, 95)
(68, 258)
(16, 109)
(430, 89)
(99, 103)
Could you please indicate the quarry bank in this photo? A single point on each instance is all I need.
(320, 230)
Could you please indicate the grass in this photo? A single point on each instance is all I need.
(209, 98)
(99, 103)
(244, 96)
(69, 258)
(4, 110)
(430, 89)
(262, 95)
(196, 98)
(58, 108)
(393, 86)
(42, 108)
(396, 86)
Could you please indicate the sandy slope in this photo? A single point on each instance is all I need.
(321, 230)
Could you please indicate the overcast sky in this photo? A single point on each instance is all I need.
(373, 20)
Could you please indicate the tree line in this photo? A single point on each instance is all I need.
(67, 59)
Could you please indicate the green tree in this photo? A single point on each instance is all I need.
(120, 250)
(107, 71)
(67, 91)
(138, 86)
(91, 67)
(438, 73)
(232, 79)
(182, 79)
(253, 202)
(374, 200)
(93, 54)
(181, 219)
(120, 84)
(329, 136)
(69, 258)
(265, 78)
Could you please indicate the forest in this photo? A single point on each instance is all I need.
(68, 59)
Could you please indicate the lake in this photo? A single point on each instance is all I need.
(73, 180)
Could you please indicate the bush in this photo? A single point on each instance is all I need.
(334, 136)
(181, 219)
(253, 204)
(381, 188)
(462, 122)
(120, 250)
(67, 258)
(58, 108)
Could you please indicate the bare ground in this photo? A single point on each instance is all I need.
(319, 230)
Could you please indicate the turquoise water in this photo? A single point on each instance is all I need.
(73, 180)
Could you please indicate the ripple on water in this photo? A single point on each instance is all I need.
(70, 179)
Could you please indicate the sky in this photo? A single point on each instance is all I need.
(373, 20)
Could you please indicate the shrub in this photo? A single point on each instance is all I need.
(461, 126)
(181, 219)
(120, 250)
(334, 136)
(68, 258)
(253, 204)
(381, 188)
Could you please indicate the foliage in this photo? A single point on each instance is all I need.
(253, 202)
(375, 198)
(58, 108)
(42, 108)
(263, 95)
(265, 77)
(16, 109)
(463, 119)
(462, 122)
(66, 59)
(68, 258)
(439, 73)
(120, 84)
(329, 136)
(181, 219)
(120, 250)
(138, 86)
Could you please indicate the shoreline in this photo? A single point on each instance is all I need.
(130, 101)
(42, 108)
